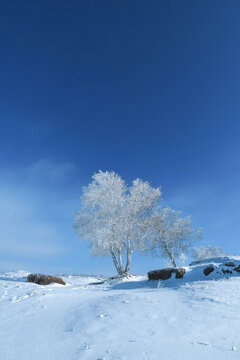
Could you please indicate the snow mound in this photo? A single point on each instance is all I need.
(208, 269)
(20, 275)
(213, 268)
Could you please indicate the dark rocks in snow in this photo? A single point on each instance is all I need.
(237, 268)
(226, 271)
(97, 283)
(230, 263)
(162, 274)
(165, 274)
(41, 279)
(196, 262)
(208, 270)
(221, 267)
(179, 273)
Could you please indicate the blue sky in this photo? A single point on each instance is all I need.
(147, 89)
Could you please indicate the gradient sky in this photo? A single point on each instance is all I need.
(149, 89)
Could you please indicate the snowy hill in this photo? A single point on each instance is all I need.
(209, 269)
(178, 319)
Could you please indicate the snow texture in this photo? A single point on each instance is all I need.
(196, 317)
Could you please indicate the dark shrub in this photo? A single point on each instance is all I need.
(165, 274)
(41, 279)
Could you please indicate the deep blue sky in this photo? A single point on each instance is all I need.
(149, 89)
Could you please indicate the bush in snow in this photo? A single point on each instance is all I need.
(206, 252)
(42, 279)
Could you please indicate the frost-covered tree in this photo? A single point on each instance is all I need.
(207, 251)
(171, 234)
(112, 216)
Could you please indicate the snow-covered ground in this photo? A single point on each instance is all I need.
(193, 318)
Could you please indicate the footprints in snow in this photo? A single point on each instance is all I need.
(15, 299)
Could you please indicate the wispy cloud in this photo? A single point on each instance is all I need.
(34, 200)
(43, 172)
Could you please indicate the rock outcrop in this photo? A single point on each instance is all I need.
(230, 263)
(208, 270)
(237, 268)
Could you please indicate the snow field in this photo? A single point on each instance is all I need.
(132, 319)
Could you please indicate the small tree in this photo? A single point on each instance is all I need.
(171, 234)
(206, 252)
(112, 216)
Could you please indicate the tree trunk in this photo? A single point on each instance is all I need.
(127, 268)
(169, 254)
(116, 263)
(120, 261)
